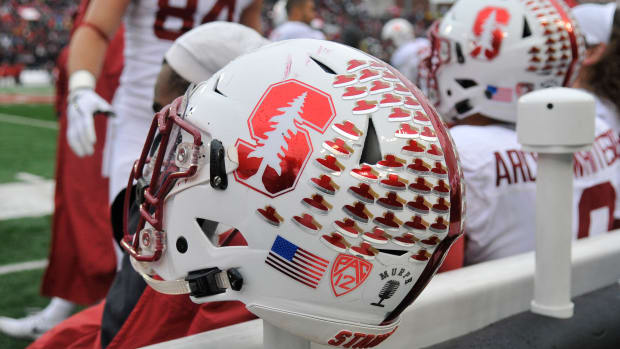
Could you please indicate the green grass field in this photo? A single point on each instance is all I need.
(25, 148)
(24, 239)
(19, 291)
(33, 150)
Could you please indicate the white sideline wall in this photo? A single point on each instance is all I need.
(36, 77)
(457, 302)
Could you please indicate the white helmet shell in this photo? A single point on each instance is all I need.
(278, 13)
(399, 30)
(334, 247)
(487, 53)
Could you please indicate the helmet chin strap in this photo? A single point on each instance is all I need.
(201, 283)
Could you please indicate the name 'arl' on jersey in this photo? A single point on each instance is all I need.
(501, 178)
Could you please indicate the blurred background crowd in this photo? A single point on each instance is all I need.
(32, 32)
(358, 23)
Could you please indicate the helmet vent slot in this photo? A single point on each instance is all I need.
(221, 235)
(208, 227)
(325, 68)
(526, 29)
(216, 89)
(371, 154)
(393, 252)
(466, 83)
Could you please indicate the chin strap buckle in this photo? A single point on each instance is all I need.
(212, 281)
(203, 283)
(198, 283)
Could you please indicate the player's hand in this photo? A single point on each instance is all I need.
(83, 104)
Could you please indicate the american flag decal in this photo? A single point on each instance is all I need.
(296, 263)
(500, 94)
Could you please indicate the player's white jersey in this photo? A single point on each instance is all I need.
(408, 56)
(501, 189)
(151, 26)
(607, 111)
(295, 30)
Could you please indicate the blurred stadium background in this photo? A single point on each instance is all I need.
(32, 33)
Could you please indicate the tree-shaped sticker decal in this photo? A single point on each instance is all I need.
(387, 291)
(488, 29)
(281, 126)
(271, 148)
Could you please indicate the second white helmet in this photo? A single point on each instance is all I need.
(486, 54)
(399, 30)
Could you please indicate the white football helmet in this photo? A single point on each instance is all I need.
(399, 30)
(271, 149)
(278, 13)
(487, 53)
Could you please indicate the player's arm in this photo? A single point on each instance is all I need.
(90, 41)
(251, 16)
(86, 56)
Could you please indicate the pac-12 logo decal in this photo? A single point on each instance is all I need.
(348, 273)
(488, 29)
(280, 126)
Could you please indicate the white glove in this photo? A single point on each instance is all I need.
(84, 103)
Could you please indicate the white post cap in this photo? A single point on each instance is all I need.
(556, 120)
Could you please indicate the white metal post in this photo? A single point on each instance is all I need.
(277, 338)
(554, 200)
(555, 123)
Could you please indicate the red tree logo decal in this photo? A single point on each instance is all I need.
(488, 29)
(281, 126)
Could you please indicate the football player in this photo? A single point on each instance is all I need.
(601, 29)
(150, 28)
(485, 55)
(300, 14)
(410, 51)
(76, 275)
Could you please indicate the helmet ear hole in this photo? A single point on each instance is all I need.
(371, 154)
(181, 244)
(463, 106)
